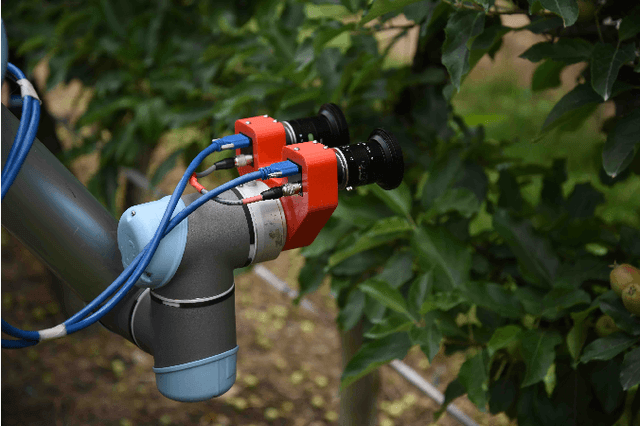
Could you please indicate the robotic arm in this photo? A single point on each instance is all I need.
(186, 318)
(184, 310)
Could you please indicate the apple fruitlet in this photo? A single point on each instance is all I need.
(605, 326)
(622, 276)
(631, 298)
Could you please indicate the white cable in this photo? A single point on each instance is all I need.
(27, 89)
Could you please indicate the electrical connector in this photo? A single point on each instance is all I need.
(281, 191)
(282, 169)
(236, 141)
(226, 163)
(243, 160)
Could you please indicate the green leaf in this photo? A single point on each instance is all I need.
(398, 269)
(606, 385)
(535, 255)
(630, 25)
(611, 304)
(510, 196)
(494, 298)
(547, 75)
(567, 9)
(320, 11)
(324, 36)
(391, 324)
(621, 145)
(374, 354)
(550, 379)
(398, 200)
(165, 167)
(383, 232)
(503, 337)
(442, 174)
(462, 200)
(607, 347)
(387, 295)
(538, 353)
(418, 291)
(606, 61)
(441, 302)
(474, 376)
(461, 30)
(543, 24)
(428, 338)
(570, 105)
(311, 276)
(584, 199)
(101, 109)
(439, 249)
(374, 310)
(567, 50)
(380, 7)
(327, 239)
(630, 374)
(352, 311)
(485, 3)
(454, 390)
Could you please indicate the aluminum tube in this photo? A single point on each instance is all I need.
(58, 220)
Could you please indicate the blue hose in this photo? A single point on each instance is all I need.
(137, 267)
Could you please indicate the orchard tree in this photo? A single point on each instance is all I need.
(469, 263)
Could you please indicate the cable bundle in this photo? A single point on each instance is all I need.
(113, 294)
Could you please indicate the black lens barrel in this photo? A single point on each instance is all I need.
(329, 127)
(379, 160)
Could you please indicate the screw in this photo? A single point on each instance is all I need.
(315, 141)
(296, 149)
(247, 122)
(325, 147)
(265, 115)
(133, 212)
(275, 121)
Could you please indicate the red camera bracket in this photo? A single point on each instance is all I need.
(268, 137)
(308, 212)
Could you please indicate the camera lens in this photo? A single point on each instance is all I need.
(379, 160)
(329, 127)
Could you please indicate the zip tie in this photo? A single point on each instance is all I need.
(27, 89)
(54, 332)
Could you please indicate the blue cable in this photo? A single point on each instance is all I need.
(23, 129)
(153, 244)
(13, 169)
(73, 324)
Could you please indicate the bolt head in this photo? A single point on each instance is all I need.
(349, 188)
(296, 149)
(133, 212)
(275, 121)
(325, 147)
(247, 122)
(265, 115)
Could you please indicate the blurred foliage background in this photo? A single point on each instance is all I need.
(514, 204)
